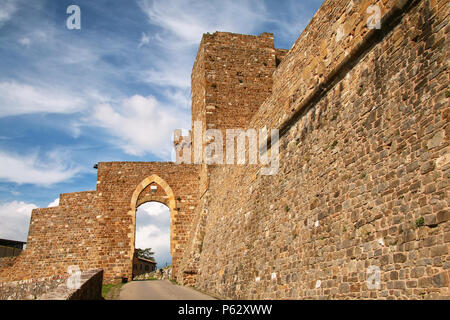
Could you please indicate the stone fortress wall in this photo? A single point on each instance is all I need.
(364, 166)
(96, 229)
(362, 183)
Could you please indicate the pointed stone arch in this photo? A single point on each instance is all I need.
(171, 203)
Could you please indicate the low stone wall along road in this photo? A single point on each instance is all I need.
(159, 290)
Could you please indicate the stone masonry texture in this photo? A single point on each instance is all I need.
(54, 288)
(362, 184)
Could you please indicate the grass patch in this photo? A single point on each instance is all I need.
(106, 288)
(420, 222)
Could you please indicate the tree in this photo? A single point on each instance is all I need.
(145, 253)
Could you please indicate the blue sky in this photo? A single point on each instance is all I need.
(113, 91)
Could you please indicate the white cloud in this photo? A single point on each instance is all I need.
(152, 231)
(180, 98)
(292, 19)
(15, 217)
(150, 236)
(7, 9)
(78, 55)
(181, 25)
(17, 98)
(30, 169)
(188, 20)
(153, 209)
(145, 40)
(168, 75)
(54, 203)
(25, 41)
(140, 124)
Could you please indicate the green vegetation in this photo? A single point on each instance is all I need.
(361, 90)
(420, 222)
(145, 253)
(287, 208)
(447, 93)
(109, 290)
(145, 279)
(106, 288)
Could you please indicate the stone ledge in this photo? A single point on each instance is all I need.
(29, 289)
(90, 289)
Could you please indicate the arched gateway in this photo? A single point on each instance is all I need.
(149, 190)
(102, 222)
(176, 186)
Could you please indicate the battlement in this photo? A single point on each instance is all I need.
(231, 78)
